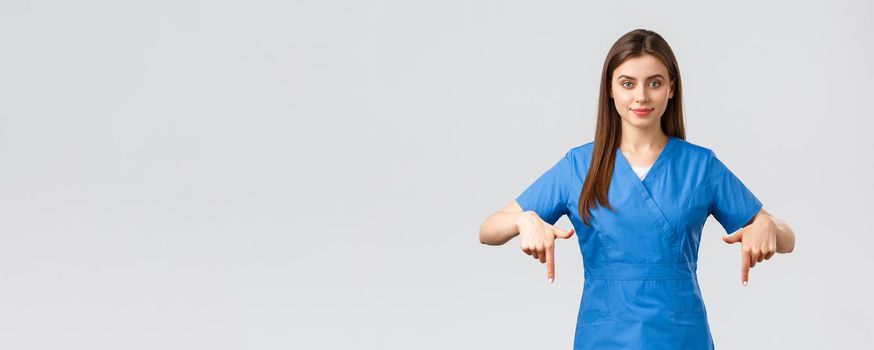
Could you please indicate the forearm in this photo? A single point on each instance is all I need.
(501, 227)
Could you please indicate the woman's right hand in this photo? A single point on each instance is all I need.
(537, 238)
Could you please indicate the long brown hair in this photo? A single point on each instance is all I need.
(608, 131)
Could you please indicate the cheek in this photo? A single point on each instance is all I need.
(620, 98)
(618, 103)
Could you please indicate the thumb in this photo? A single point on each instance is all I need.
(559, 233)
(733, 238)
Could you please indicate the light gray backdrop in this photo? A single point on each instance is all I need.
(313, 174)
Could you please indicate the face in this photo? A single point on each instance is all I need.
(641, 83)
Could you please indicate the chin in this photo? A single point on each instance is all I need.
(641, 124)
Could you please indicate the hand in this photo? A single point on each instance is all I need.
(538, 240)
(758, 241)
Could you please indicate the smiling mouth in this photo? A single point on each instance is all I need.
(641, 112)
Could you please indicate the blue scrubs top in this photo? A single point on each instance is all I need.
(640, 260)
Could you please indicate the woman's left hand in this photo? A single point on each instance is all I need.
(758, 241)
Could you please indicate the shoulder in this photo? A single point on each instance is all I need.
(582, 150)
(693, 150)
(581, 154)
(703, 156)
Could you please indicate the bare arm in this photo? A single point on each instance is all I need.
(502, 225)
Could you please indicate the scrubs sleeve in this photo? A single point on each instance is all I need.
(733, 204)
(547, 196)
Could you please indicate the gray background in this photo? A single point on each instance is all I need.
(313, 174)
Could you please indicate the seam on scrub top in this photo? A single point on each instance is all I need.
(567, 191)
(695, 192)
(567, 185)
(644, 279)
(687, 211)
(712, 157)
(710, 204)
(707, 177)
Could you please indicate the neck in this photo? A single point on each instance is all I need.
(634, 139)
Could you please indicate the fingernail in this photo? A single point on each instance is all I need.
(551, 280)
(745, 283)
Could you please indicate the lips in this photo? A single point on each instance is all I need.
(642, 112)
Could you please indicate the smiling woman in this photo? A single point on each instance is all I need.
(627, 92)
(639, 235)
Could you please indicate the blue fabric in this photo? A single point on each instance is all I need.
(640, 260)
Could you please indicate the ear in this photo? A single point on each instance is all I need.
(671, 94)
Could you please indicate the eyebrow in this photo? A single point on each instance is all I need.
(649, 77)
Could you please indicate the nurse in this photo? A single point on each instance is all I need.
(638, 196)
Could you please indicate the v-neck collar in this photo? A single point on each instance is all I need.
(642, 187)
(654, 168)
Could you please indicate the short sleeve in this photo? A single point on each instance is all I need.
(733, 204)
(547, 196)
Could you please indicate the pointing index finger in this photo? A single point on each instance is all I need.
(550, 265)
(745, 267)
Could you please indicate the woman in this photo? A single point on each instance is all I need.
(638, 197)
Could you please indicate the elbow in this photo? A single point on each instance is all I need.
(791, 246)
(787, 236)
(484, 241)
(484, 237)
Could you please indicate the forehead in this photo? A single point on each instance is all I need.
(641, 67)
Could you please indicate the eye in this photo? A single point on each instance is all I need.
(658, 83)
(624, 82)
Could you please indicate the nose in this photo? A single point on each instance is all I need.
(640, 95)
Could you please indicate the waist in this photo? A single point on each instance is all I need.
(640, 271)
